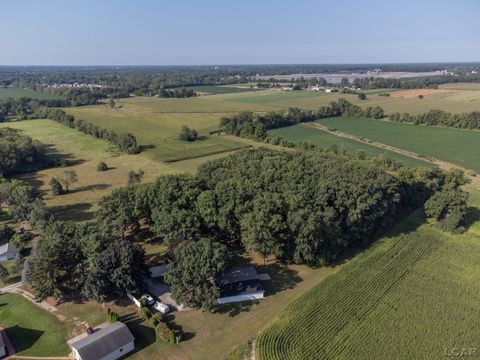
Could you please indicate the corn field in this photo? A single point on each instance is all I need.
(414, 295)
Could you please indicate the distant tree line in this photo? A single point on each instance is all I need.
(176, 93)
(125, 142)
(469, 120)
(248, 124)
(431, 82)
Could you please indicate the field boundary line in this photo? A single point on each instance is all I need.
(445, 165)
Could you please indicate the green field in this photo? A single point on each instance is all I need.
(323, 139)
(213, 90)
(32, 330)
(82, 153)
(453, 145)
(460, 86)
(159, 132)
(16, 92)
(411, 296)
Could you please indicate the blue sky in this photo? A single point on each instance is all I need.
(87, 32)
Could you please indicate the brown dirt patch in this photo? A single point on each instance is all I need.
(414, 93)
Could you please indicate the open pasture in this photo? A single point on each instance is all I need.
(82, 153)
(323, 139)
(402, 297)
(158, 132)
(16, 92)
(453, 145)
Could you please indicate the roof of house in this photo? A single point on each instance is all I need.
(238, 274)
(241, 288)
(103, 341)
(8, 248)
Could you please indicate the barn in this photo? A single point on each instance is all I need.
(109, 343)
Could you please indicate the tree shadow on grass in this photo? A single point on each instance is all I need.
(79, 212)
(147, 147)
(282, 277)
(23, 338)
(90, 187)
(170, 319)
(233, 309)
(473, 215)
(144, 335)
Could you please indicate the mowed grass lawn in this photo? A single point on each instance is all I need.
(158, 132)
(16, 92)
(323, 139)
(32, 330)
(453, 145)
(411, 296)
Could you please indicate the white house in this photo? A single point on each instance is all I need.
(240, 284)
(109, 343)
(8, 252)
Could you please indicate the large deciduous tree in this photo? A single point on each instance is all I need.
(194, 271)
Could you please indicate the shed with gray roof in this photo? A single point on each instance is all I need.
(108, 343)
(8, 252)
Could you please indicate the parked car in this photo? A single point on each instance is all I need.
(149, 299)
(161, 307)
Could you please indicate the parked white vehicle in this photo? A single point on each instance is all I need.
(161, 307)
(149, 299)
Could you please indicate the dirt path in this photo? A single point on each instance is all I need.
(475, 180)
(17, 289)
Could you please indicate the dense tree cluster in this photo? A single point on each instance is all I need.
(306, 207)
(75, 257)
(469, 120)
(449, 206)
(248, 124)
(22, 201)
(19, 153)
(125, 142)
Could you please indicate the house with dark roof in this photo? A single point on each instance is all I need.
(240, 284)
(8, 252)
(109, 343)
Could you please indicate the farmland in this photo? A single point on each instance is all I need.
(82, 154)
(452, 145)
(32, 331)
(403, 297)
(15, 92)
(159, 132)
(323, 139)
(212, 90)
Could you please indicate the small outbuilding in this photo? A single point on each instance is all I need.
(240, 284)
(8, 252)
(109, 343)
